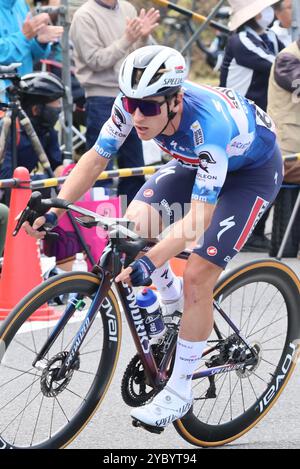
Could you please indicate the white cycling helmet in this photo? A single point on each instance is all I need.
(152, 71)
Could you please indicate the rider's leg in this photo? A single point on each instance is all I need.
(232, 223)
(156, 206)
(200, 277)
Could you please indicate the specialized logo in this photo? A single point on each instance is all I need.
(212, 251)
(173, 81)
(118, 117)
(148, 193)
(205, 159)
(165, 274)
(197, 133)
(227, 224)
(165, 172)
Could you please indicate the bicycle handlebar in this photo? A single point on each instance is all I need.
(37, 207)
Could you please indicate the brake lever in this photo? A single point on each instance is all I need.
(22, 219)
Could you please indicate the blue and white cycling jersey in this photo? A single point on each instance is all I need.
(220, 131)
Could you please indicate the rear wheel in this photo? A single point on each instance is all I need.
(36, 410)
(262, 299)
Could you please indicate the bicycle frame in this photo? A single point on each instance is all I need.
(156, 376)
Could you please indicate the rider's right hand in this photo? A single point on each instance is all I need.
(33, 230)
(49, 220)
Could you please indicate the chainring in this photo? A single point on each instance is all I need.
(134, 387)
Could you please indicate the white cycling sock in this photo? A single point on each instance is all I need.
(168, 285)
(187, 359)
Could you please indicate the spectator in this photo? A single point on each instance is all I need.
(284, 108)
(283, 13)
(251, 50)
(249, 56)
(111, 31)
(24, 38)
(42, 103)
(284, 105)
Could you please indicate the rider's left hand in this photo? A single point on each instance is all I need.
(138, 273)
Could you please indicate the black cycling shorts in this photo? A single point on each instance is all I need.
(244, 197)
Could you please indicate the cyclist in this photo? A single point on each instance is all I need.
(226, 170)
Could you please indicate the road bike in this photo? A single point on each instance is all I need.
(55, 373)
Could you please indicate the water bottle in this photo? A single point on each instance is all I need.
(80, 263)
(151, 311)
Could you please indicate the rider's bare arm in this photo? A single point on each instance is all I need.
(82, 177)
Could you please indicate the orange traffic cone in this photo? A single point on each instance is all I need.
(21, 270)
(178, 266)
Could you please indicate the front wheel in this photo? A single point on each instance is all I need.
(36, 409)
(262, 299)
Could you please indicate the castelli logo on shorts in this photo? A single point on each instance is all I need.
(148, 193)
(212, 251)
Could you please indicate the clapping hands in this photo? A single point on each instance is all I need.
(39, 26)
(142, 25)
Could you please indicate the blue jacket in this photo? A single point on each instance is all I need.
(14, 47)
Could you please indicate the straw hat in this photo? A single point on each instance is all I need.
(244, 10)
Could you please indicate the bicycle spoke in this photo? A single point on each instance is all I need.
(269, 363)
(75, 394)
(266, 327)
(51, 420)
(36, 423)
(32, 400)
(272, 338)
(252, 387)
(18, 395)
(22, 415)
(16, 377)
(55, 397)
(257, 322)
(25, 346)
(229, 400)
(264, 311)
(242, 395)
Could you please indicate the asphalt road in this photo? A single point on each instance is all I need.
(111, 426)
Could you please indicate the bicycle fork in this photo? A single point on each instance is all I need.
(100, 294)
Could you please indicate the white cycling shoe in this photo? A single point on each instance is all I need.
(166, 407)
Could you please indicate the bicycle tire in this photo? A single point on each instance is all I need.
(202, 434)
(80, 282)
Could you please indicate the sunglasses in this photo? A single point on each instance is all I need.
(147, 108)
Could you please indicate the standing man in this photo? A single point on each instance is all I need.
(103, 33)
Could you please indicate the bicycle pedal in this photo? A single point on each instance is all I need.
(152, 429)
